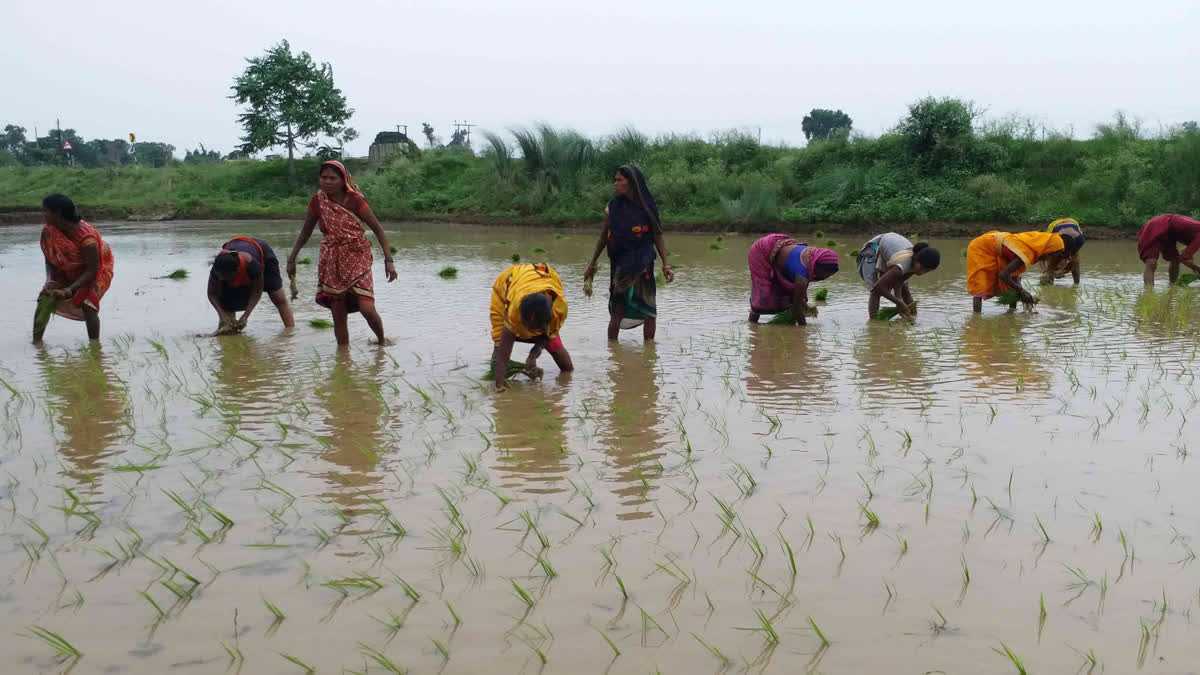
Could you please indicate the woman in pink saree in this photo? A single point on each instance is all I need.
(344, 265)
(781, 269)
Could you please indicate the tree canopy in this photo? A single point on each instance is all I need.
(290, 99)
(821, 124)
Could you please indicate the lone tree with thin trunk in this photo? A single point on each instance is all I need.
(291, 99)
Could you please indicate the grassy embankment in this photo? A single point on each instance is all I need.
(923, 172)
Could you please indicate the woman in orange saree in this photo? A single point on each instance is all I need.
(344, 266)
(995, 261)
(79, 267)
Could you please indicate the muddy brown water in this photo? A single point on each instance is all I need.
(682, 472)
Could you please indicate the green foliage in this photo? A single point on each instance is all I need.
(934, 167)
(886, 313)
(290, 99)
(821, 125)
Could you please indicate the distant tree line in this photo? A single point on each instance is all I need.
(18, 150)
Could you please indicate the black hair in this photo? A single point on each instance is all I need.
(535, 308)
(1071, 245)
(61, 206)
(226, 263)
(928, 256)
(332, 167)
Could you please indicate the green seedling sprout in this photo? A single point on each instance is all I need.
(1013, 658)
(307, 668)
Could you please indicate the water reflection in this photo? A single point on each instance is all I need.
(633, 440)
(892, 364)
(246, 375)
(530, 429)
(786, 369)
(356, 417)
(89, 404)
(994, 354)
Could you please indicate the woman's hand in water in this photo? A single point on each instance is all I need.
(590, 271)
(668, 273)
(291, 267)
(389, 268)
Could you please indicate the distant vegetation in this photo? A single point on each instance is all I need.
(941, 162)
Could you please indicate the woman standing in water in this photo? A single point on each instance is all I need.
(632, 231)
(527, 306)
(244, 269)
(781, 269)
(995, 261)
(1067, 227)
(344, 268)
(79, 266)
(1162, 236)
(886, 262)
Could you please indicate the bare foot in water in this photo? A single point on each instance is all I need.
(384, 342)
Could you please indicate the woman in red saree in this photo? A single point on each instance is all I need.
(344, 267)
(79, 266)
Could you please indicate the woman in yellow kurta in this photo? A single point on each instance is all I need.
(995, 261)
(528, 306)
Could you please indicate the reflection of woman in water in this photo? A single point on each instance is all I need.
(355, 419)
(994, 353)
(892, 363)
(530, 427)
(633, 440)
(784, 367)
(781, 269)
(88, 404)
(79, 266)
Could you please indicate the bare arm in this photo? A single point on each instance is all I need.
(256, 291)
(800, 301)
(661, 245)
(91, 267)
(884, 287)
(500, 356)
(600, 244)
(1075, 269)
(310, 221)
(214, 298)
(373, 223)
(1006, 275)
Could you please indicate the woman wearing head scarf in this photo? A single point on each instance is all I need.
(527, 306)
(1065, 227)
(632, 231)
(344, 267)
(995, 261)
(1162, 235)
(780, 270)
(886, 262)
(245, 268)
(79, 267)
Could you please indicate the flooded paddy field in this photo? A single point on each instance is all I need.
(963, 494)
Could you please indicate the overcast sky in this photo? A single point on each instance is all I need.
(163, 69)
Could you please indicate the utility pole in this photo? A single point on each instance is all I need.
(463, 125)
(405, 132)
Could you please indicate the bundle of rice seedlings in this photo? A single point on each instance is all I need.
(1008, 298)
(1185, 279)
(788, 316)
(448, 272)
(538, 250)
(831, 243)
(45, 310)
(821, 294)
(516, 257)
(887, 313)
(295, 290)
(177, 274)
(587, 286)
(513, 369)
(304, 261)
(320, 323)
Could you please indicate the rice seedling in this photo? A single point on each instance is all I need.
(516, 257)
(274, 610)
(1013, 658)
(527, 598)
(320, 323)
(831, 243)
(457, 619)
(304, 261)
(1042, 529)
(788, 316)
(539, 250)
(379, 659)
(41, 317)
(448, 273)
(296, 660)
(176, 275)
(393, 250)
(1186, 279)
(58, 643)
(887, 313)
(511, 370)
(821, 294)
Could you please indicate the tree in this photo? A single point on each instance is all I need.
(433, 140)
(938, 131)
(13, 139)
(458, 141)
(291, 99)
(821, 124)
(156, 155)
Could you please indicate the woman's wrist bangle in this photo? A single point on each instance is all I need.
(388, 260)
